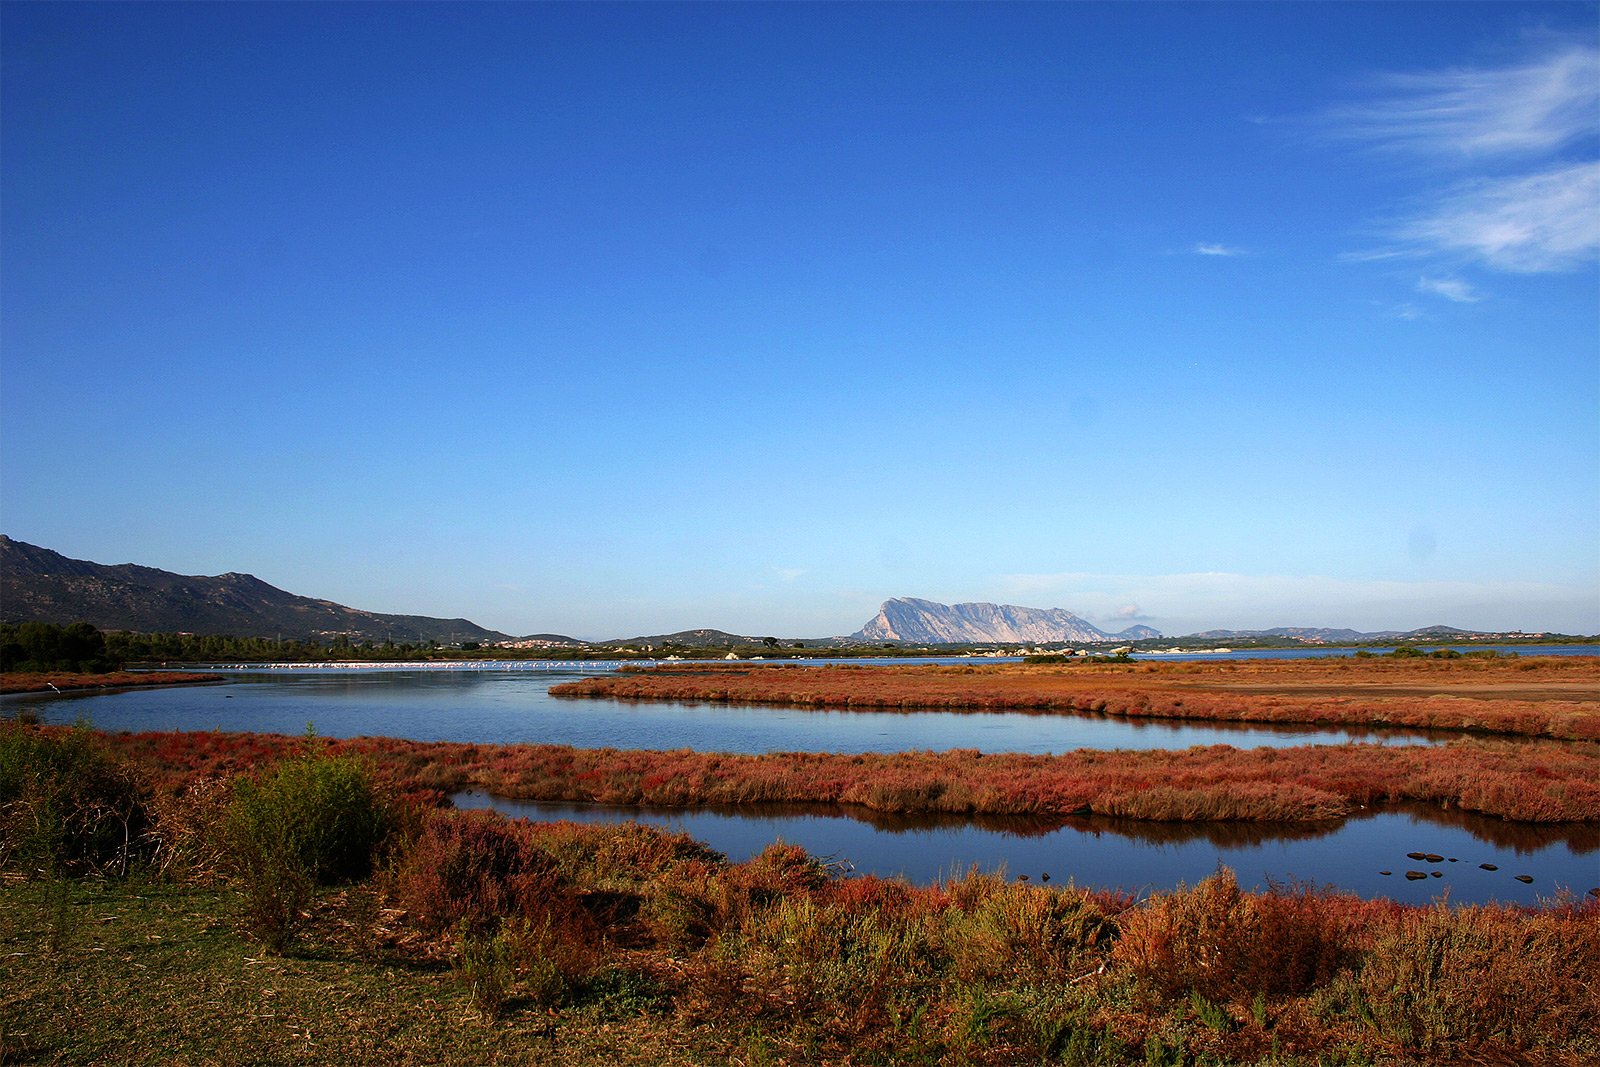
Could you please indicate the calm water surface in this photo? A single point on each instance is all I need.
(505, 706)
(509, 706)
(1135, 855)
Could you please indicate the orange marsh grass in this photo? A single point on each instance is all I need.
(1552, 697)
(1545, 782)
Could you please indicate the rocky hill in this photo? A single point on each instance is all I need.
(1137, 633)
(927, 622)
(38, 585)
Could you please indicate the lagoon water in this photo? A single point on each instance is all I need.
(510, 706)
(513, 706)
(1133, 855)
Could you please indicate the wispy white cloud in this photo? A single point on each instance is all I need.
(1209, 249)
(1450, 288)
(1373, 255)
(790, 574)
(1532, 109)
(1543, 114)
(1532, 223)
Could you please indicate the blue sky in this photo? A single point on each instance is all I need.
(612, 319)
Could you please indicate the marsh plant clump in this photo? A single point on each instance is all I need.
(312, 820)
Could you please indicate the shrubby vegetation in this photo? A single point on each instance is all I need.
(67, 805)
(314, 820)
(396, 925)
(1554, 783)
(561, 929)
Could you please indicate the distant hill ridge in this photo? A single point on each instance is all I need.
(1327, 634)
(39, 585)
(928, 622)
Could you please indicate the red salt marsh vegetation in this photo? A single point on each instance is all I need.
(307, 913)
(1544, 782)
(1551, 697)
(64, 681)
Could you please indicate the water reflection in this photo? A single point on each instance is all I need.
(1132, 854)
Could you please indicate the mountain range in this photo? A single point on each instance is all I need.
(926, 622)
(39, 585)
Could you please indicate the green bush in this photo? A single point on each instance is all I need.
(321, 815)
(315, 820)
(67, 806)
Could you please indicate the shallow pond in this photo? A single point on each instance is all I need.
(1136, 855)
(505, 707)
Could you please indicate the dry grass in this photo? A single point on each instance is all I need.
(653, 951)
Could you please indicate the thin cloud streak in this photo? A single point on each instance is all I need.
(1453, 289)
(1205, 249)
(1533, 109)
(1536, 223)
(1530, 221)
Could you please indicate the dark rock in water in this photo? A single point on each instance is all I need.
(1452, 859)
(1416, 855)
(1525, 879)
(1434, 857)
(1416, 876)
(1386, 873)
(1438, 874)
(1488, 866)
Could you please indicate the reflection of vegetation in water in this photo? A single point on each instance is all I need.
(1523, 838)
(1220, 834)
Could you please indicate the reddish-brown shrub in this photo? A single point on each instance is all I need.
(1186, 941)
(1485, 977)
(479, 868)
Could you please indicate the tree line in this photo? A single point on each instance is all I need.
(82, 648)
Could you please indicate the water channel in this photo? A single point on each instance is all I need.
(514, 706)
(1137, 855)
